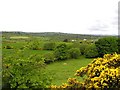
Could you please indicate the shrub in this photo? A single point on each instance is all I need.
(65, 40)
(61, 52)
(91, 51)
(76, 45)
(107, 45)
(20, 73)
(118, 41)
(82, 47)
(34, 45)
(101, 73)
(49, 46)
(74, 52)
(49, 57)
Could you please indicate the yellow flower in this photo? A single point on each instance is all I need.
(95, 79)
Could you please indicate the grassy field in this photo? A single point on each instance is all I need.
(62, 70)
(25, 54)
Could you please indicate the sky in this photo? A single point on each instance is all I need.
(67, 16)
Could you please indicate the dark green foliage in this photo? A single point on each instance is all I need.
(91, 51)
(107, 45)
(49, 57)
(8, 47)
(49, 46)
(74, 53)
(65, 40)
(61, 52)
(118, 44)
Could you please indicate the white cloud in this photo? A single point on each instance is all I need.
(70, 16)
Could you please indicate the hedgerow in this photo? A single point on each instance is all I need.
(34, 45)
(102, 73)
(61, 52)
(74, 52)
(91, 51)
(49, 46)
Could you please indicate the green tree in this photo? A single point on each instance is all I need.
(118, 41)
(61, 52)
(74, 52)
(34, 45)
(107, 45)
(91, 51)
(83, 47)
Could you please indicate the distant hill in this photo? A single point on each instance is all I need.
(55, 35)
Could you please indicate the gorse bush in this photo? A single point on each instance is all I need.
(107, 45)
(91, 51)
(49, 46)
(101, 73)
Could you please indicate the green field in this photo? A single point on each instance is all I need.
(61, 71)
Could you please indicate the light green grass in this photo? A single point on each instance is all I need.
(62, 70)
(25, 54)
(19, 37)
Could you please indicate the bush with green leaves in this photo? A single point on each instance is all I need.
(61, 52)
(118, 41)
(34, 45)
(91, 51)
(76, 45)
(49, 46)
(49, 57)
(74, 52)
(83, 47)
(107, 45)
(20, 73)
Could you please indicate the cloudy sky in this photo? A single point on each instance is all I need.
(68, 16)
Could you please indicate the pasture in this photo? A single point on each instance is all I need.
(61, 71)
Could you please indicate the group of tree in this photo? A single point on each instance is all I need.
(62, 51)
(106, 45)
